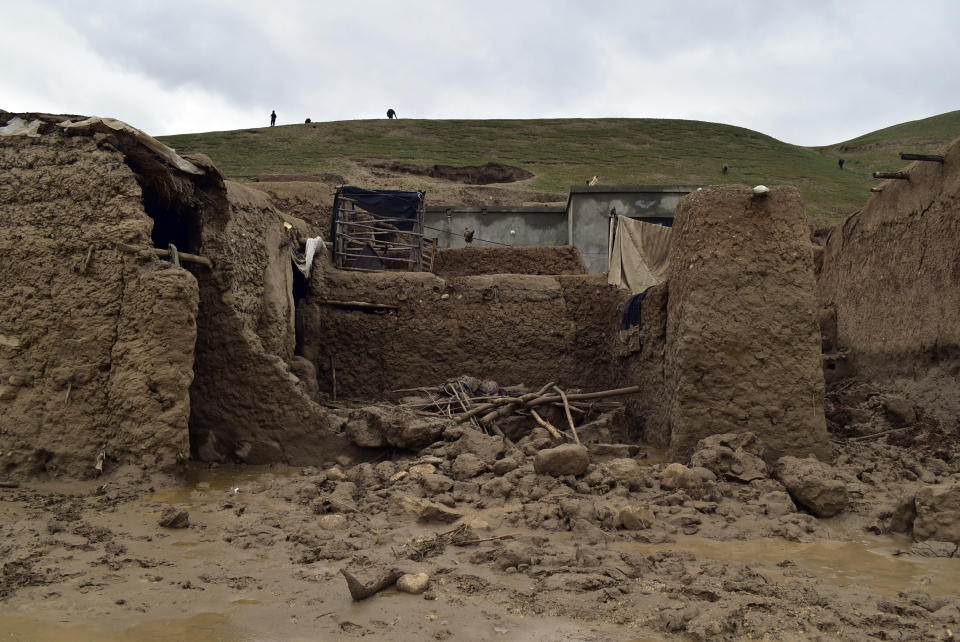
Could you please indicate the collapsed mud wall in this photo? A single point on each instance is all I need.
(510, 328)
(890, 286)
(638, 357)
(742, 348)
(96, 344)
(564, 259)
(247, 405)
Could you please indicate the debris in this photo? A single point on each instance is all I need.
(413, 583)
(360, 591)
(427, 511)
(174, 518)
(568, 459)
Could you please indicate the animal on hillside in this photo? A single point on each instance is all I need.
(391, 114)
(593, 181)
(840, 162)
(306, 122)
(724, 169)
(468, 236)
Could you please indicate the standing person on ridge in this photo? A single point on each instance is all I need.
(273, 118)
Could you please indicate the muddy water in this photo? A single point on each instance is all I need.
(868, 562)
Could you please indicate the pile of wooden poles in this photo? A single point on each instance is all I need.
(459, 400)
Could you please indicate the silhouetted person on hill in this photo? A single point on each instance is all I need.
(724, 169)
(391, 114)
(840, 162)
(273, 118)
(306, 122)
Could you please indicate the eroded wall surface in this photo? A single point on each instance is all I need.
(891, 280)
(742, 346)
(511, 328)
(96, 354)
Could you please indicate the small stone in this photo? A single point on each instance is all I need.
(568, 459)
(635, 518)
(813, 485)
(467, 466)
(427, 511)
(332, 522)
(677, 476)
(419, 470)
(344, 461)
(174, 518)
(398, 476)
(335, 474)
(900, 411)
(414, 583)
(627, 472)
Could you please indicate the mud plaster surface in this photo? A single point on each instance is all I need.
(743, 342)
(96, 356)
(509, 260)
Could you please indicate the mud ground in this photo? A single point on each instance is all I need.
(261, 556)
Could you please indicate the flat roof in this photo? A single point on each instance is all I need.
(494, 209)
(606, 189)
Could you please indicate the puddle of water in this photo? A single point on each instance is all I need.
(203, 627)
(213, 484)
(868, 562)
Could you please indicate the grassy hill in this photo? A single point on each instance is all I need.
(566, 152)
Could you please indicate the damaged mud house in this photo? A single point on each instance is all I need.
(729, 377)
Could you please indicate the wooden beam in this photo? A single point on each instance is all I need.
(184, 256)
(902, 176)
(933, 158)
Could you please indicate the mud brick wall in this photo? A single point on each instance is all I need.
(638, 358)
(743, 345)
(95, 357)
(564, 259)
(510, 328)
(891, 280)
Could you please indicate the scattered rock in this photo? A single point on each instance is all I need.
(332, 522)
(427, 511)
(468, 466)
(379, 426)
(900, 411)
(813, 485)
(677, 476)
(933, 548)
(627, 473)
(734, 456)
(568, 459)
(174, 518)
(421, 470)
(414, 583)
(635, 518)
(507, 464)
(938, 513)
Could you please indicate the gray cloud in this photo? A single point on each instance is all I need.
(806, 72)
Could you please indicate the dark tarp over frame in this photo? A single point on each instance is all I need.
(385, 203)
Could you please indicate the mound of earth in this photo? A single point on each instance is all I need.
(336, 179)
(469, 174)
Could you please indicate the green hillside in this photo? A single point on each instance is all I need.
(566, 152)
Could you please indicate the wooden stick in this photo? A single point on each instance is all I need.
(510, 407)
(546, 424)
(189, 258)
(483, 539)
(566, 407)
(878, 434)
(86, 261)
(354, 304)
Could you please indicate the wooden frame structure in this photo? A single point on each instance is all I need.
(371, 238)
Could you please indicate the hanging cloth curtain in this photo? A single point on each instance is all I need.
(641, 255)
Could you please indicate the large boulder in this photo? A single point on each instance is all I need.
(627, 472)
(679, 477)
(938, 513)
(568, 459)
(813, 485)
(734, 456)
(381, 426)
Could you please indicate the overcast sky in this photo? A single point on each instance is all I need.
(809, 72)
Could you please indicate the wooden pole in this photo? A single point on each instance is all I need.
(933, 158)
(566, 407)
(546, 424)
(184, 256)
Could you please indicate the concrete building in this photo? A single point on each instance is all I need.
(589, 209)
(584, 222)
